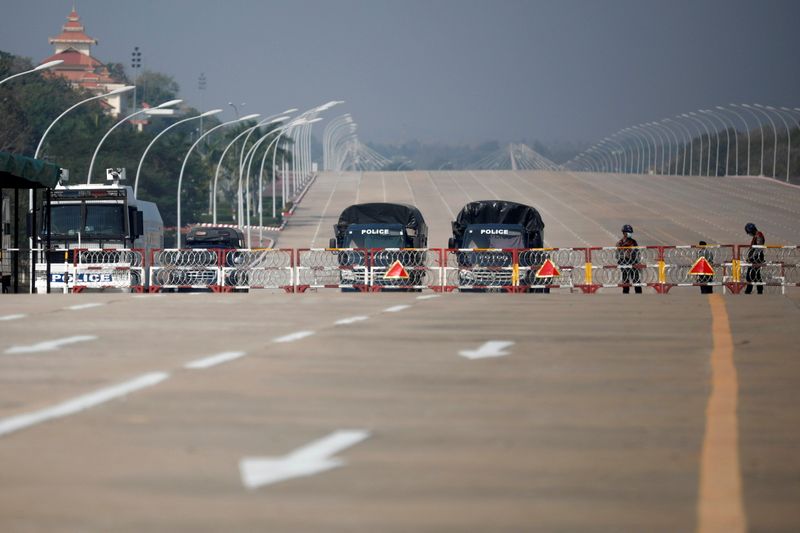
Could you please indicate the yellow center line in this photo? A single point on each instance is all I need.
(720, 504)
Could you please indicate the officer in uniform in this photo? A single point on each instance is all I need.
(628, 259)
(755, 256)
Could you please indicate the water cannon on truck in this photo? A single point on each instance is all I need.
(110, 224)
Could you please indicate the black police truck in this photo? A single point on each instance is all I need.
(380, 225)
(502, 226)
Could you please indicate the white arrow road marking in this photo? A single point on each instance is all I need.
(83, 306)
(311, 459)
(11, 317)
(487, 349)
(351, 320)
(49, 346)
(15, 423)
(296, 336)
(214, 360)
(396, 308)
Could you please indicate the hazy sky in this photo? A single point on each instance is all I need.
(451, 71)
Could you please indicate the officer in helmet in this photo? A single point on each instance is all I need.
(628, 260)
(755, 256)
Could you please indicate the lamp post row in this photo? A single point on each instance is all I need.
(659, 146)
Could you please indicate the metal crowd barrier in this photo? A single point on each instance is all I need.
(368, 270)
(661, 268)
(98, 269)
(109, 269)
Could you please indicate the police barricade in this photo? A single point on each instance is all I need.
(258, 269)
(480, 270)
(337, 268)
(405, 269)
(185, 269)
(699, 266)
(542, 269)
(634, 266)
(770, 268)
(109, 269)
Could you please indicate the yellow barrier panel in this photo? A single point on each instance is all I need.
(662, 272)
(737, 270)
(588, 276)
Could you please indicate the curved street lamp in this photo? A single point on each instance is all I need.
(115, 126)
(43, 66)
(141, 160)
(745, 107)
(185, 159)
(112, 93)
(747, 131)
(760, 108)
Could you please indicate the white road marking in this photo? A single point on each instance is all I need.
(351, 320)
(83, 306)
(296, 336)
(70, 407)
(214, 360)
(11, 317)
(487, 349)
(49, 346)
(427, 297)
(148, 295)
(311, 459)
(396, 308)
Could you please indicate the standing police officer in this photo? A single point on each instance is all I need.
(755, 256)
(628, 259)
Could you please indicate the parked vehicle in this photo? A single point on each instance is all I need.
(98, 217)
(485, 235)
(379, 232)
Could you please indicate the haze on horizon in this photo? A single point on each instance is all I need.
(447, 71)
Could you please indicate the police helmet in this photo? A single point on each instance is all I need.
(627, 228)
(750, 228)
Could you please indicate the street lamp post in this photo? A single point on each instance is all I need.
(727, 139)
(43, 66)
(788, 139)
(759, 107)
(688, 133)
(696, 121)
(677, 143)
(651, 156)
(165, 130)
(708, 136)
(745, 107)
(747, 132)
(112, 93)
(115, 126)
(186, 159)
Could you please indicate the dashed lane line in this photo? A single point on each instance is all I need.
(350, 320)
(427, 297)
(8, 318)
(81, 403)
(291, 337)
(84, 306)
(396, 308)
(49, 346)
(213, 360)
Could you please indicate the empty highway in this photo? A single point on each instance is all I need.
(327, 411)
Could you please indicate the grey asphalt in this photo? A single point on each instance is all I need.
(594, 421)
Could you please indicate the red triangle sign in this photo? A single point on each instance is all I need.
(548, 270)
(701, 267)
(396, 271)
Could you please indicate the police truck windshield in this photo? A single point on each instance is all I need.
(102, 220)
(375, 236)
(494, 236)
